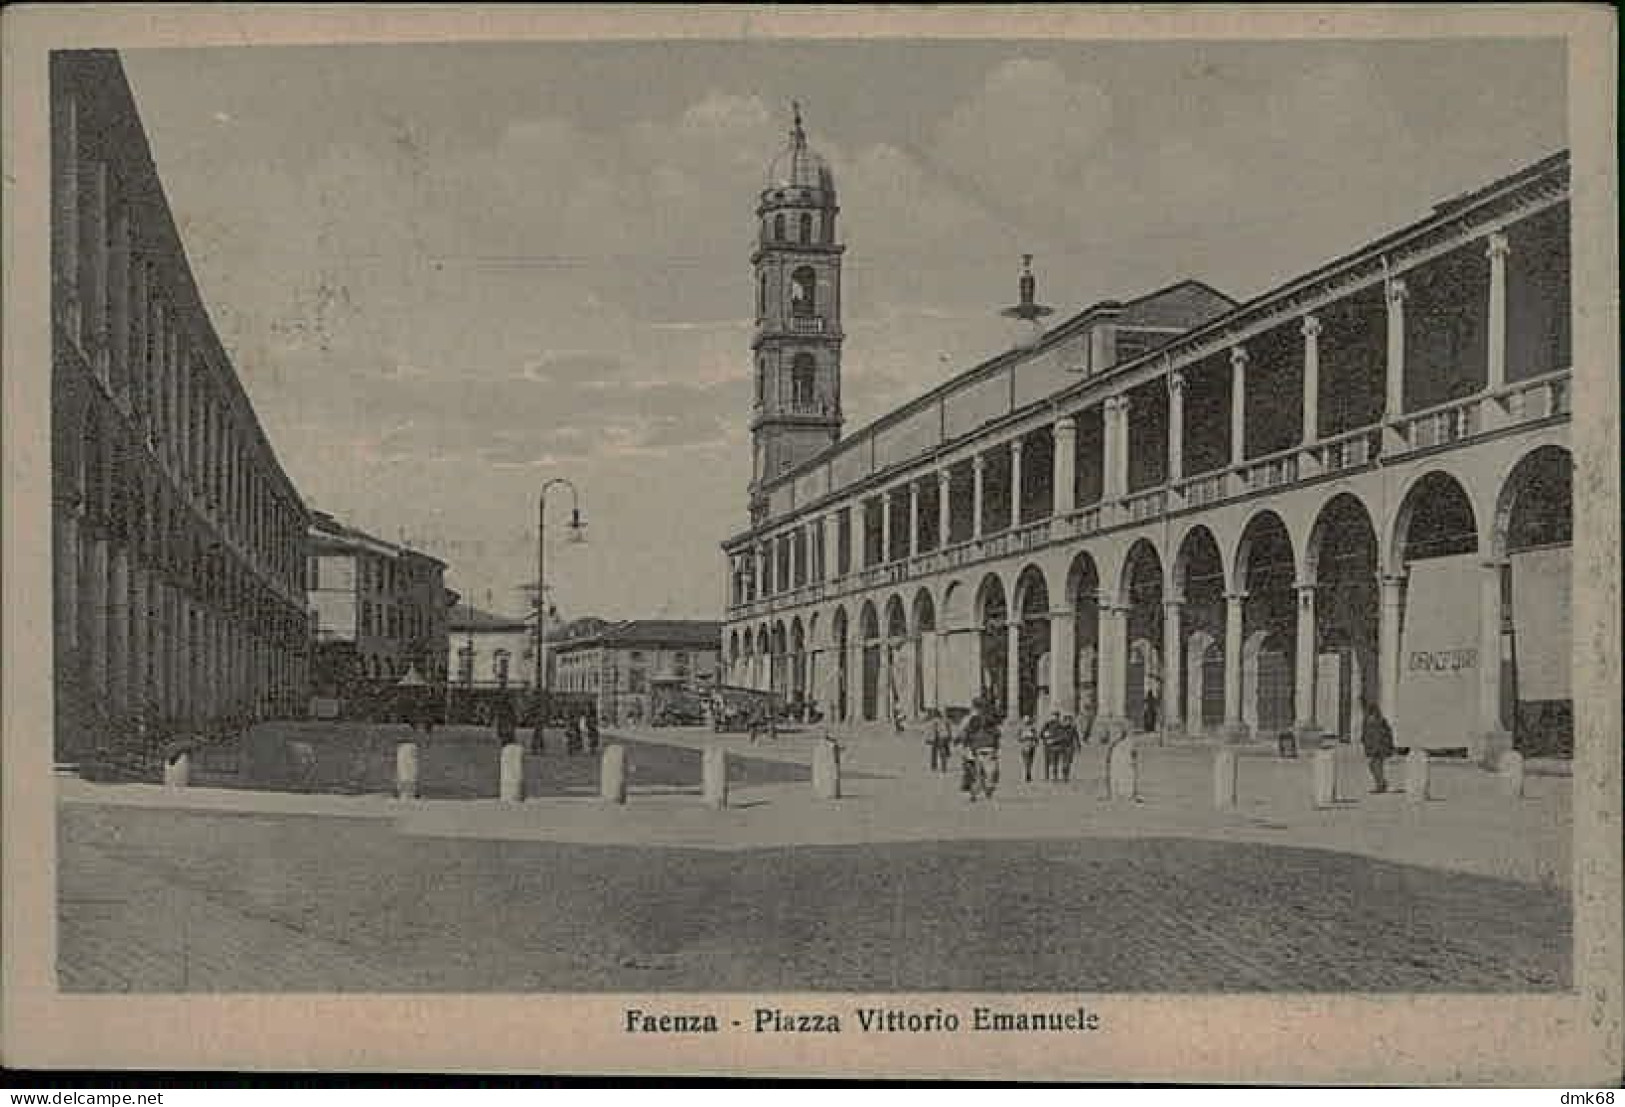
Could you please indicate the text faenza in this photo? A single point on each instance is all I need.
(647, 1022)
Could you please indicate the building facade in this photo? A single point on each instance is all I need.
(489, 651)
(619, 664)
(176, 535)
(377, 610)
(1213, 517)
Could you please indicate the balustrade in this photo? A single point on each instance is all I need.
(1525, 401)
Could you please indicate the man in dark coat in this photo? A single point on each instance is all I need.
(1378, 739)
(502, 718)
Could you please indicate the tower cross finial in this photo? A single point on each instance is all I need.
(796, 131)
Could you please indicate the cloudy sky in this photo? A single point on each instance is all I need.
(447, 273)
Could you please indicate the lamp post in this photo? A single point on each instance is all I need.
(576, 533)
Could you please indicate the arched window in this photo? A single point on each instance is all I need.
(806, 228)
(803, 380)
(761, 380)
(803, 291)
(499, 667)
(778, 227)
(761, 297)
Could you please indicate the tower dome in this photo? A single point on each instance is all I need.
(798, 167)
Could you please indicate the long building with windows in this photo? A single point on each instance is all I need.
(177, 538)
(1180, 511)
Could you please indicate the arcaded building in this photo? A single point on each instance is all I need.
(177, 538)
(1179, 511)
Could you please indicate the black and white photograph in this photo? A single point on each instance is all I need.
(794, 537)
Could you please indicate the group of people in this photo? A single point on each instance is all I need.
(979, 736)
(579, 731)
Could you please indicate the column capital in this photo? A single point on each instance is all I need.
(1496, 562)
(885, 495)
(978, 462)
(1235, 597)
(1066, 424)
(1396, 290)
(1311, 326)
(1176, 381)
(1496, 246)
(945, 477)
(1238, 357)
(1015, 447)
(1302, 586)
(1391, 580)
(1173, 603)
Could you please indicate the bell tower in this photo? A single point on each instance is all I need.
(796, 410)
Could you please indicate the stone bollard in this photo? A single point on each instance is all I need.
(1123, 768)
(714, 777)
(612, 776)
(511, 768)
(826, 770)
(1416, 776)
(1225, 766)
(406, 770)
(178, 771)
(1510, 770)
(1324, 770)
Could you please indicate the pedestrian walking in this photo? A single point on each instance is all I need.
(1070, 741)
(937, 738)
(1150, 713)
(1052, 737)
(502, 719)
(1378, 739)
(1027, 742)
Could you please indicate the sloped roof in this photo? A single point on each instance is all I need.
(676, 633)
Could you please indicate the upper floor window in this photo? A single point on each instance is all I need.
(778, 227)
(499, 666)
(803, 379)
(806, 228)
(803, 291)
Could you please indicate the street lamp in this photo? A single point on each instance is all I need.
(576, 533)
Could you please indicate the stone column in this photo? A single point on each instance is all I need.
(978, 490)
(1176, 426)
(945, 490)
(1489, 652)
(1496, 250)
(913, 518)
(885, 527)
(1393, 607)
(1063, 673)
(1113, 664)
(857, 529)
(65, 562)
(1235, 729)
(832, 541)
(1172, 637)
(1064, 470)
(140, 639)
(1012, 667)
(1311, 379)
(119, 302)
(1394, 387)
(118, 629)
(1303, 679)
(1015, 483)
(1238, 405)
(96, 601)
(65, 209)
(1108, 449)
(95, 231)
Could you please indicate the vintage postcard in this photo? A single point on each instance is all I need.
(1035, 543)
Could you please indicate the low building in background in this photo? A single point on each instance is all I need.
(378, 610)
(620, 663)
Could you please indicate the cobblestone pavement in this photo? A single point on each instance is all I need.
(901, 883)
(156, 900)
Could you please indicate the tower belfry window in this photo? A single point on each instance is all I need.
(803, 291)
(778, 227)
(803, 380)
(806, 228)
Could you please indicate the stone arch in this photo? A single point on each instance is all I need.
(1083, 597)
(1032, 609)
(1198, 604)
(1342, 558)
(841, 671)
(1265, 575)
(955, 612)
(1436, 517)
(798, 660)
(992, 618)
(870, 686)
(1142, 591)
(1535, 503)
(924, 671)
